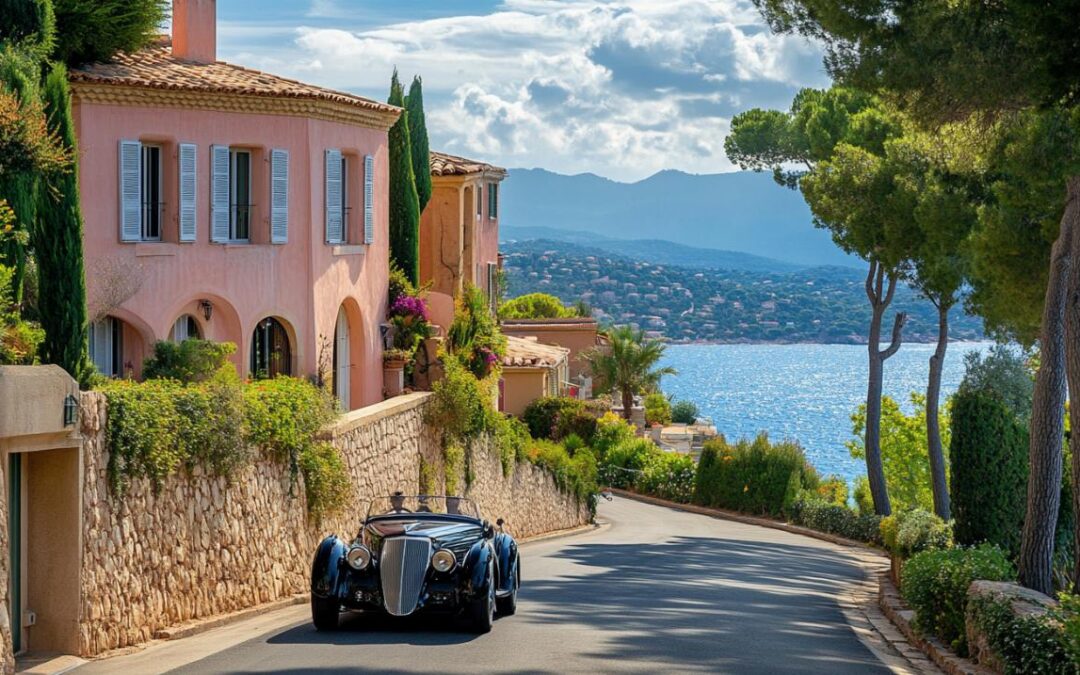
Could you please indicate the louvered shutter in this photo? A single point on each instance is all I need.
(130, 191)
(188, 199)
(335, 228)
(369, 199)
(279, 196)
(219, 193)
(493, 201)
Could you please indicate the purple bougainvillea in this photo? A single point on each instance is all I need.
(409, 306)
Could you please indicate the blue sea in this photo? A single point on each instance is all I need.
(805, 392)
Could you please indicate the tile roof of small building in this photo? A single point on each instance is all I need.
(525, 353)
(443, 164)
(156, 68)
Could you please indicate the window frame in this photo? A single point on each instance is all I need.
(147, 210)
(346, 225)
(234, 205)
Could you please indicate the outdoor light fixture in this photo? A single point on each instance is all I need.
(207, 308)
(71, 410)
(386, 332)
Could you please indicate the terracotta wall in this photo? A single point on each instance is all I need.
(203, 546)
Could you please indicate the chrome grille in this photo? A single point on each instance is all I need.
(403, 565)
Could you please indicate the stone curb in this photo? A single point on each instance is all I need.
(569, 532)
(894, 608)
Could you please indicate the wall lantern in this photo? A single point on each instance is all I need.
(207, 308)
(71, 410)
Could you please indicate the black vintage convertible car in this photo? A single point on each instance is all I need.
(413, 554)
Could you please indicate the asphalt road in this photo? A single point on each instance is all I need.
(655, 591)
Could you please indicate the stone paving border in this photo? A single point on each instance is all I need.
(871, 624)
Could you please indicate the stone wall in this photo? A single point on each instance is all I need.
(205, 545)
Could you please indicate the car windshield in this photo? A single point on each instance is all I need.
(401, 504)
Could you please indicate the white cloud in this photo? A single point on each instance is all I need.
(619, 88)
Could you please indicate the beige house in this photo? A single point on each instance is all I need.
(532, 370)
(578, 335)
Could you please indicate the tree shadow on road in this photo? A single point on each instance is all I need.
(709, 604)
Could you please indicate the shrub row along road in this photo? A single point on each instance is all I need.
(656, 591)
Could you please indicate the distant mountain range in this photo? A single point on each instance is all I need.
(741, 212)
(656, 251)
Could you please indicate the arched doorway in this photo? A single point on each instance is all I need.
(342, 360)
(186, 328)
(271, 351)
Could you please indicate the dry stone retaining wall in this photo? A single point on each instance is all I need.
(205, 545)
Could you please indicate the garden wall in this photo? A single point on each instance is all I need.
(205, 545)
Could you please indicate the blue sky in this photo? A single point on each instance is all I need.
(621, 89)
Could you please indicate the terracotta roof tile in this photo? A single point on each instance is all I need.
(443, 164)
(156, 68)
(525, 353)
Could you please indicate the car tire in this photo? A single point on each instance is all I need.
(507, 605)
(325, 613)
(483, 609)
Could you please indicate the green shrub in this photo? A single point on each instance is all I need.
(667, 475)
(326, 479)
(535, 306)
(836, 519)
(657, 409)
(1028, 645)
(143, 431)
(864, 499)
(575, 423)
(19, 339)
(213, 424)
(188, 361)
(1069, 616)
(474, 335)
(832, 490)
(909, 532)
(756, 476)
(989, 466)
(284, 414)
(611, 431)
(543, 415)
(935, 585)
(684, 412)
(624, 463)
(576, 475)
(573, 443)
(512, 440)
(461, 405)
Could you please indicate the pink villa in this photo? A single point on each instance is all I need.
(459, 231)
(233, 205)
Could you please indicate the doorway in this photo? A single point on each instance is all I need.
(342, 361)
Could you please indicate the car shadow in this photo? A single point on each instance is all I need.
(366, 629)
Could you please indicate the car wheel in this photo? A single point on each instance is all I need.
(324, 613)
(483, 609)
(507, 605)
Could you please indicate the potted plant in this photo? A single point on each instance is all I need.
(394, 362)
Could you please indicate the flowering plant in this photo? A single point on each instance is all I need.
(409, 306)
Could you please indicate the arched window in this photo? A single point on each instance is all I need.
(106, 346)
(271, 353)
(186, 327)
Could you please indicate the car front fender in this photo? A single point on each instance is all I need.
(506, 552)
(326, 568)
(475, 567)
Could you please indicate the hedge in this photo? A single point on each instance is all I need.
(755, 477)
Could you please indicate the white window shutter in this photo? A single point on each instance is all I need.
(187, 192)
(279, 196)
(219, 193)
(130, 191)
(369, 199)
(335, 228)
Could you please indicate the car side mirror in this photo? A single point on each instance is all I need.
(489, 531)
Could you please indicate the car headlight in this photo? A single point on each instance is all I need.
(443, 560)
(358, 557)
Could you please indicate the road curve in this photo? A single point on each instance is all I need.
(656, 591)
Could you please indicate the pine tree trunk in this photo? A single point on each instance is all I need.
(880, 297)
(1072, 353)
(1048, 413)
(938, 478)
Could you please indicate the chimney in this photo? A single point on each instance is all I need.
(194, 30)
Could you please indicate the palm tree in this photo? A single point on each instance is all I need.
(628, 365)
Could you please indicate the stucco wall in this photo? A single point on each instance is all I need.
(202, 546)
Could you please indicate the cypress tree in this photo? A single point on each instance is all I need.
(57, 242)
(404, 205)
(418, 138)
